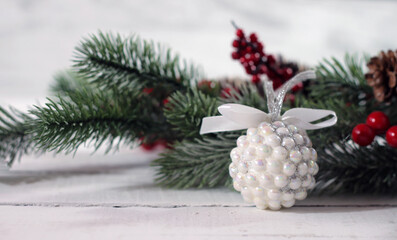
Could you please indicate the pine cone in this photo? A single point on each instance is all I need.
(382, 75)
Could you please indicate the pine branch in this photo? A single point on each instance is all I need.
(85, 117)
(344, 166)
(126, 63)
(347, 168)
(15, 139)
(186, 110)
(341, 80)
(197, 163)
(68, 81)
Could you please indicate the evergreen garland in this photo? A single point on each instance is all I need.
(116, 93)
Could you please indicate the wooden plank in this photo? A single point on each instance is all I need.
(125, 179)
(196, 223)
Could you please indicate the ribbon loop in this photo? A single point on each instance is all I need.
(238, 117)
(302, 117)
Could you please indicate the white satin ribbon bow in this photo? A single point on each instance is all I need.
(238, 117)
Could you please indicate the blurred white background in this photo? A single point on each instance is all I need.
(37, 37)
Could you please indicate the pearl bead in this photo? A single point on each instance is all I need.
(295, 183)
(274, 194)
(295, 156)
(260, 203)
(235, 157)
(247, 195)
(266, 131)
(280, 181)
(278, 124)
(313, 154)
(242, 141)
(306, 181)
(298, 139)
(300, 195)
(279, 153)
(302, 169)
(259, 192)
(240, 178)
(266, 180)
(315, 171)
(274, 166)
(235, 151)
(293, 129)
(273, 140)
(264, 150)
(282, 131)
(259, 164)
(288, 143)
(237, 186)
(242, 167)
(312, 184)
(232, 170)
(313, 167)
(288, 204)
(249, 154)
(274, 205)
(252, 131)
(289, 169)
(263, 125)
(256, 139)
(302, 131)
(287, 196)
(305, 153)
(308, 142)
(251, 180)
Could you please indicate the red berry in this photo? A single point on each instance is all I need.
(277, 83)
(148, 146)
(248, 69)
(391, 136)
(257, 57)
(225, 93)
(165, 101)
(249, 49)
(297, 87)
(271, 59)
(240, 33)
(263, 69)
(148, 90)
(363, 134)
(253, 37)
(256, 79)
(235, 55)
(259, 46)
(236, 43)
(243, 60)
(378, 121)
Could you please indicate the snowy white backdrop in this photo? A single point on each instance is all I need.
(37, 38)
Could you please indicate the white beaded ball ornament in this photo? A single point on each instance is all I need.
(273, 165)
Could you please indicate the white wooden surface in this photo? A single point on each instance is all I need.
(90, 196)
(113, 196)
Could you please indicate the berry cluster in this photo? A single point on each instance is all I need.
(377, 123)
(250, 52)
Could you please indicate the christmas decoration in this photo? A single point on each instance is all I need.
(250, 53)
(391, 136)
(115, 94)
(378, 121)
(274, 164)
(382, 75)
(363, 134)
